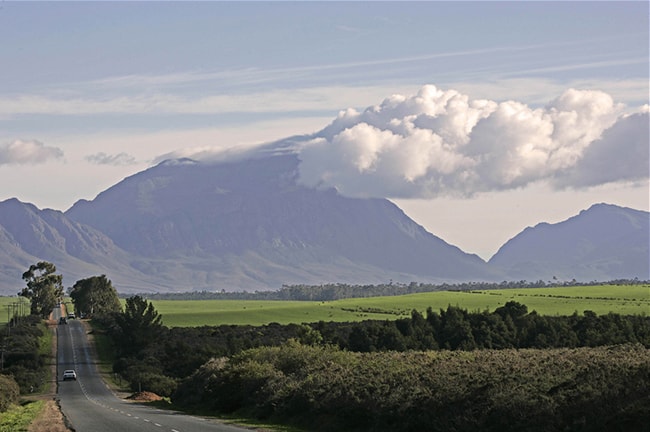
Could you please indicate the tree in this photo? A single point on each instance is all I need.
(456, 330)
(44, 288)
(138, 326)
(94, 296)
(512, 308)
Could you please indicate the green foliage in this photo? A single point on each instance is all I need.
(144, 376)
(180, 351)
(19, 417)
(135, 334)
(324, 389)
(95, 296)
(25, 358)
(309, 336)
(9, 392)
(44, 288)
(137, 327)
(457, 329)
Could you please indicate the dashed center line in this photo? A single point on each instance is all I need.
(75, 361)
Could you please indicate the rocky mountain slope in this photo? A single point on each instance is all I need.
(602, 243)
(29, 235)
(249, 223)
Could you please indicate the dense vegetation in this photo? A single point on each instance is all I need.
(44, 288)
(95, 295)
(178, 352)
(25, 354)
(326, 389)
(9, 392)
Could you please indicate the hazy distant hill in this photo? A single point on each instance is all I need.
(602, 243)
(29, 235)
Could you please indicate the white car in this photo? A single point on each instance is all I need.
(69, 375)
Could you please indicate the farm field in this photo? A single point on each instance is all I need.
(6, 308)
(601, 299)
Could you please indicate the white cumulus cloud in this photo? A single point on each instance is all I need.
(28, 152)
(440, 142)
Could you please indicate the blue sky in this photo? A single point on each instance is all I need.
(91, 92)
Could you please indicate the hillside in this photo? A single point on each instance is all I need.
(29, 235)
(603, 242)
(250, 223)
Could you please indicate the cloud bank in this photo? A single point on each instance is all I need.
(29, 152)
(442, 143)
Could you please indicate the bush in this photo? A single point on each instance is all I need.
(323, 388)
(28, 379)
(156, 383)
(25, 356)
(9, 392)
(145, 375)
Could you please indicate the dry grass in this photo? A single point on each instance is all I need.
(49, 419)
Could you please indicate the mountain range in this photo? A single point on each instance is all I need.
(249, 225)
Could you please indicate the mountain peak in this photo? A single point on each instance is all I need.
(177, 162)
(603, 242)
(251, 220)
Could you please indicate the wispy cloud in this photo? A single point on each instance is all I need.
(292, 100)
(120, 159)
(28, 152)
(271, 101)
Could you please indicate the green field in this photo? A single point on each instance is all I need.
(6, 307)
(601, 299)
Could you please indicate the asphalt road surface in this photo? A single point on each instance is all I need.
(90, 406)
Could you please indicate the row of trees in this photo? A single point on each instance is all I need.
(23, 348)
(337, 291)
(90, 296)
(132, 330)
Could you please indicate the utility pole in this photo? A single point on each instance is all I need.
(14, 308)
(8, 320)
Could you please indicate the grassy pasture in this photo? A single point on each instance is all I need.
(602, 299)
(5, 312)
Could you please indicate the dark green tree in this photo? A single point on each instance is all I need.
(44, 288)
(95, 296)
(138, 326)
(456, 330)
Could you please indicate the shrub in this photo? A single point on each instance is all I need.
(323, 389)
(156, 383)
(145, 376)
(9, 392)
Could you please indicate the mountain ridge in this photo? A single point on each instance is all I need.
(583, 246)
(187, 225)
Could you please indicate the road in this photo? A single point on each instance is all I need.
(90, 406)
